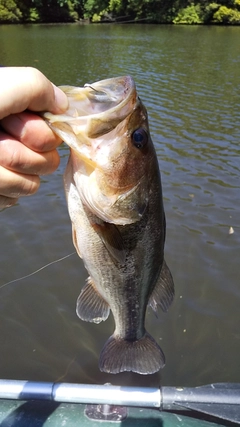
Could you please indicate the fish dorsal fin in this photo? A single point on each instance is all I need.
(91, 306)
(163, 293)
(112, 239)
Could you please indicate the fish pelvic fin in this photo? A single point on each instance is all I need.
(91, 306)
(143, 356)
(163, 293)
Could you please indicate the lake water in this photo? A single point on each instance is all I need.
(189, 80)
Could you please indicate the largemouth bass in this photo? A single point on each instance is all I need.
(114, 196)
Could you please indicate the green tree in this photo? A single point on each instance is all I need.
(191, 14)
(225, 15)
(159, 11)
(9, 12)
(51, 10)
(28, 10)
(95, 7)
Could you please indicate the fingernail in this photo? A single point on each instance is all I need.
(60, 99)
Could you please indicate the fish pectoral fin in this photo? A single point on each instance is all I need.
(163, 293)
(143, 356)
(112, 239)
(74, 238)
(91, 306)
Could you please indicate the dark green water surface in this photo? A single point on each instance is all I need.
(189, 80)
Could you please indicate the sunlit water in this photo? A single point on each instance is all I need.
(188, 78)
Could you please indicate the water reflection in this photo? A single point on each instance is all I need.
(188, 79)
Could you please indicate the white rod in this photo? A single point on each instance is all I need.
(81, 393)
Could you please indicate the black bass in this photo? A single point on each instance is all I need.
(114, 196)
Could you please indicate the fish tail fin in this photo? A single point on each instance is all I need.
(143, 356)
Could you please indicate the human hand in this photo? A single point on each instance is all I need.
(27, 144)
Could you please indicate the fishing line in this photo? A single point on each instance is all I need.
(59, 379)
(37, 271)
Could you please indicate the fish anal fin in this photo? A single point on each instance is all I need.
(143, 356)
(112, 239)
(91, 306)
(163, 293)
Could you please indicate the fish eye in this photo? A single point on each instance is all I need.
(140, 138)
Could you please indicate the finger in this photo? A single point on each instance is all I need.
(14, 185)
(6, 202)
(18, 158)
(24, 88)
(31, 130)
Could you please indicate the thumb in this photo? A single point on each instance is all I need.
(24, 88)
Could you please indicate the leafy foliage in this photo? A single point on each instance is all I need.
(92, 7)
(9, 12)
(158, 11)
(225, 15)
(189, 15)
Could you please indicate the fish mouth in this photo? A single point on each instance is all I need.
(94, 110)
